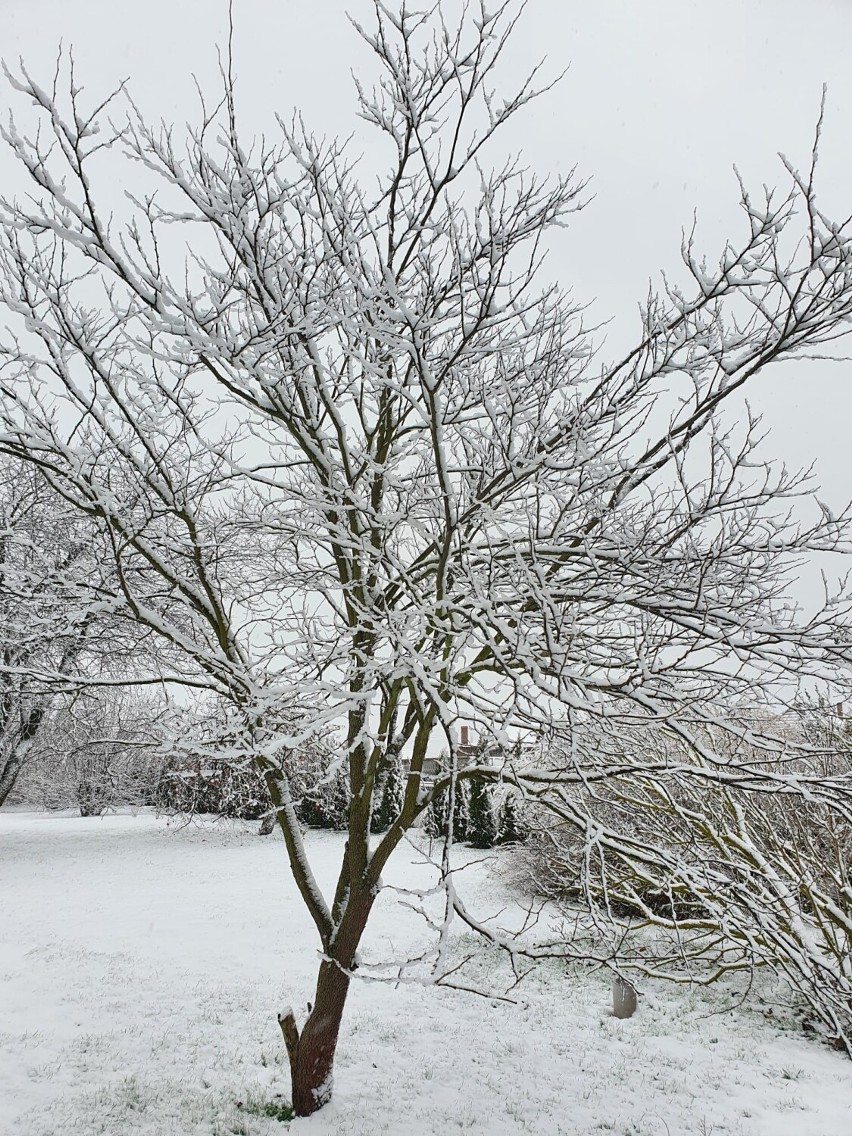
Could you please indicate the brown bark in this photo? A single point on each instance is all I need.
(312, 1049)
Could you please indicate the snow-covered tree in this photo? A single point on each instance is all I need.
(352, 456)
(45, 616)
(437, 819)
(390, 796)
(100, 750)
(510, 825)
(481, 821)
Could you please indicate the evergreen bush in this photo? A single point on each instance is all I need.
(481, 823)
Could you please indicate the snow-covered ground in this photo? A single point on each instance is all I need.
(142, 965)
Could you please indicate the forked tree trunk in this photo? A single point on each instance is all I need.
(311, 1050)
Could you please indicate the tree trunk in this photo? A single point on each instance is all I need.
(311, 1050)
(20, 748)
(8, 776)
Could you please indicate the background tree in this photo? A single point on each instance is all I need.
(436, 821)
(390, 796)
(100, 750)
(511, 828)
(481, 822)
(349, 455)
(45, 611)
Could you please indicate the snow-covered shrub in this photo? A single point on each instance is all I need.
(389, 803)
(214, 787)
(512, 826)
(790, 863)
(237, 790)
(437, 821)
(740, 878)
(324, 801)
(436, 818)
(209, 771)
(481, 821)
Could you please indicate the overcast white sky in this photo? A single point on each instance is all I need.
(661, 99)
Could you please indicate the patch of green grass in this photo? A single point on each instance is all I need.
(276, 1109)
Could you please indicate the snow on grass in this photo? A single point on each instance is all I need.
(142, 966)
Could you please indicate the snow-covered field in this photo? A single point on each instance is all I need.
(142, 965)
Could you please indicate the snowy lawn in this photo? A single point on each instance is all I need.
(142, 966)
